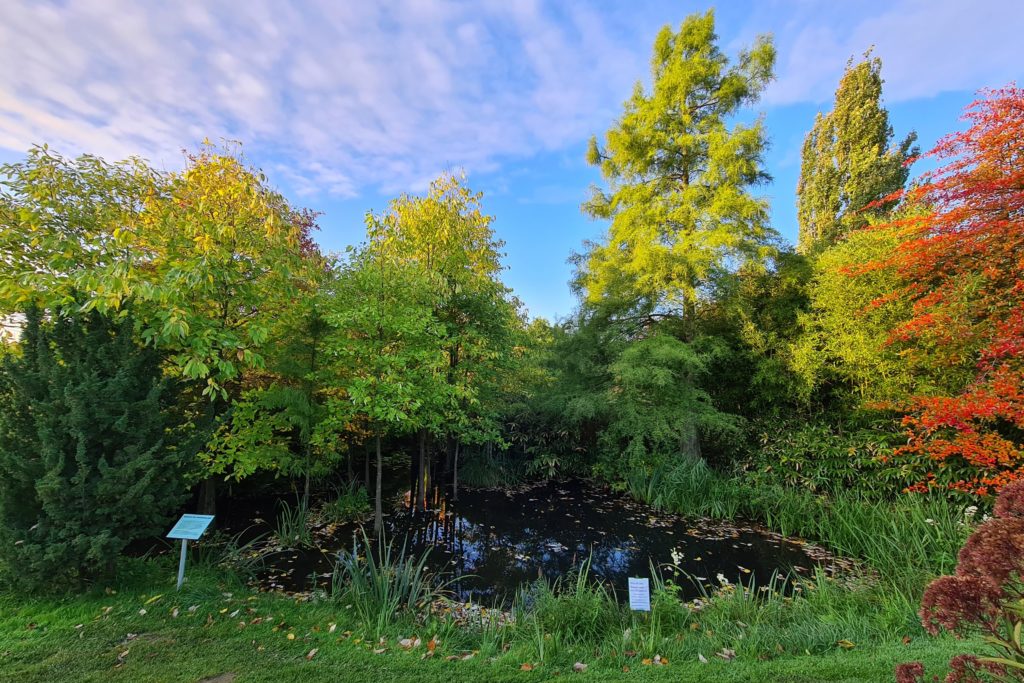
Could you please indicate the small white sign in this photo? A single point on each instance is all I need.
(640, 594)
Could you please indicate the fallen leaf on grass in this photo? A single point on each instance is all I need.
(432, 645)
(153, 599)
(726, 654)
(311, 654)
(579, 667)
(846, 644)
(526, 667)
(625, 669)
(701, 658)
(331, 628)
(291, 636)
(380, 651)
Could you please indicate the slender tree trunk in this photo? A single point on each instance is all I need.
(455, 474)
(305, 491)
(378, 512)
(421, 489)
(366, 468)
(348, 466)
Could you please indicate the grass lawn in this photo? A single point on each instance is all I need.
(259, 637)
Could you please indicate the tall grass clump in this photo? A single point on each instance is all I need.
(292, 526)
(349, 504)
(908, 540)
(574, 611)
(384, 584)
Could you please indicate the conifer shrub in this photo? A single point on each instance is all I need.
(89, 459)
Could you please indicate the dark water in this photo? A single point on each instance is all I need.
(494, 542)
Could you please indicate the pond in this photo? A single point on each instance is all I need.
(493, 542)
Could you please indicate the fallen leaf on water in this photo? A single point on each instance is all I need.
(526, 667)
(311, 654)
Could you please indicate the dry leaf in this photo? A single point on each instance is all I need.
(846, 644)
(579, 667)
(331, 628)
(526, 667)
(311, 654)
(701, 658)
(291, 636)
(727, 654)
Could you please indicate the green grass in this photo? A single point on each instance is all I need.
(40, 641)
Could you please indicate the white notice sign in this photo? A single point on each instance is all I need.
(640, 594)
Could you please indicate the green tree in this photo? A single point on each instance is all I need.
(680, 178)
(386, 335)
(849, 161)
(89, 458)
(448, 237)
(282, 426)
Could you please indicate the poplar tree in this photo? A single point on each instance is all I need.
(849, 161)
(680, 177)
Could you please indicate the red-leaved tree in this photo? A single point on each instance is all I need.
(962, 262)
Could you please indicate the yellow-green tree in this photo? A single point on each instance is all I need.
(680, 177)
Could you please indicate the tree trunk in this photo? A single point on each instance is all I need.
(305, 492)
(421, 489)
(378, 512)
(366, 468)
(690, 443)
(208, 496)
(455, 474)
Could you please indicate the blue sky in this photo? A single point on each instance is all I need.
(346, 104)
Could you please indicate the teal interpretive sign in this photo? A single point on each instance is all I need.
(190, 527)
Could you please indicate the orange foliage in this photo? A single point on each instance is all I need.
(964, 260)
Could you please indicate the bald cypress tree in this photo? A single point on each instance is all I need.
(680, 175)
(849, 160)
(87, 458)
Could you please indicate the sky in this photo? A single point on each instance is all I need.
(347, 104)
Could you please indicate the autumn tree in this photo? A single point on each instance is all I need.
(961, 262)
(206, 256)
(849, 161)
(680, 177)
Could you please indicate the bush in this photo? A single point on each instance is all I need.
(88, 461)
(351, 504)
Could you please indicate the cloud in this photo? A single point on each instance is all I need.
(927, 47)
(339, 95)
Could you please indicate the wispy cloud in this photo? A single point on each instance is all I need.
(341, 94)
(927, 46)
(334, 97)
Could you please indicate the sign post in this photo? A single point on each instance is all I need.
(640, 594)
(188, 528)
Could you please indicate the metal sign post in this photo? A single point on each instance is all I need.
(188, 528)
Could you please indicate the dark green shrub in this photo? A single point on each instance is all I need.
(88, 461)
